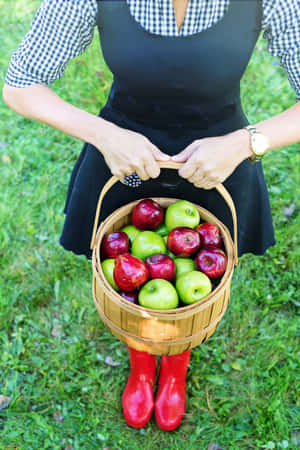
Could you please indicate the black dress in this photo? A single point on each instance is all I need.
(173, 90)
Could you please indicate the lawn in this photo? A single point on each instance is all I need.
(243, 384)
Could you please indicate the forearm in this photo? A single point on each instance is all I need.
(210, 161)
(281, 130)
(38, 102)
(124, 150)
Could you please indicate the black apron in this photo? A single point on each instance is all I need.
(173, 90)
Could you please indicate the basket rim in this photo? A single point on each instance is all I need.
(97, 269)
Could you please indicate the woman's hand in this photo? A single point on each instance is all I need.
(126, 151)
(209, 161)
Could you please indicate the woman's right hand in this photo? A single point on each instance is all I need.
(126, 151)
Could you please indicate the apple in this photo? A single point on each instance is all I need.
(147, 215)
(131, 296)
(211, 261)
(183, 241)
(193, 286)
(184, 265)
(131, 232)
(162, 230)
(108, 266)
(161, 266)
(130, 272)
(158, 294)
(148, 243)
(210, 234)
(182, 213)
(114, 244)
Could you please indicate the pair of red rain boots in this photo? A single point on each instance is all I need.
(138, 398)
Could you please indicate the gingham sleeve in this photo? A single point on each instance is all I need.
(61, 30)
(281, 24)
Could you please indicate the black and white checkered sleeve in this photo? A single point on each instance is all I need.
(61, 30)
(281, 24)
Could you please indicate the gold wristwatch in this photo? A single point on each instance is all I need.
(259, 144)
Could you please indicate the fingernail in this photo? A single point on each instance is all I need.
(175, 158)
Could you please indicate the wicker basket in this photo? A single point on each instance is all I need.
(154, 331)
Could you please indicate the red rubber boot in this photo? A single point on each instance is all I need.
(170, 400)
(137, 399)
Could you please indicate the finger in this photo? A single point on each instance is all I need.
(159, 155)
(200, 183)
(142, 173)
(188, 169)
(203, 180)
(197, 176)
(117, 171)
(128, 171)
(119, 174)
(186, 153)
(152, 168)
(208, 186)
(206, 183)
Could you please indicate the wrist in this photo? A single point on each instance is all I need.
(102, 133)
(242, 143)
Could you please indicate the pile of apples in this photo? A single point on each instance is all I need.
(164, 258)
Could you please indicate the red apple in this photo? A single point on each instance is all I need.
(212, 261)
(210, 234)
(161, 266)
(130, 272)
(147, 215)
(183, 241)
(131, 296)
(114, 244)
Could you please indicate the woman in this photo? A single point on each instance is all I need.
(177, 67)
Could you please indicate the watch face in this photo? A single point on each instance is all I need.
(260, 143)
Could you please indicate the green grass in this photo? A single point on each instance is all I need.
(243, 384)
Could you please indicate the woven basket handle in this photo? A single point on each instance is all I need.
(171, 165)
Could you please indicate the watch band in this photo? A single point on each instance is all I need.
(255, 157)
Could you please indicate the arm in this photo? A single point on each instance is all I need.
(124, 151)
(41, 59)
(39, 102)
(282, 129)
(210, 161)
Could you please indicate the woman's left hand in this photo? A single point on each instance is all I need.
(209, 161)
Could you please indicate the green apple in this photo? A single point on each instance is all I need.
(193, 286)
(108, 266)
(182, 214)
(147, 243)
(131, 232)
(158, 294)
(162, 230)
(184, 265)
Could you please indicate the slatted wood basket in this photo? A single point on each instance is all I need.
(155, 331)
